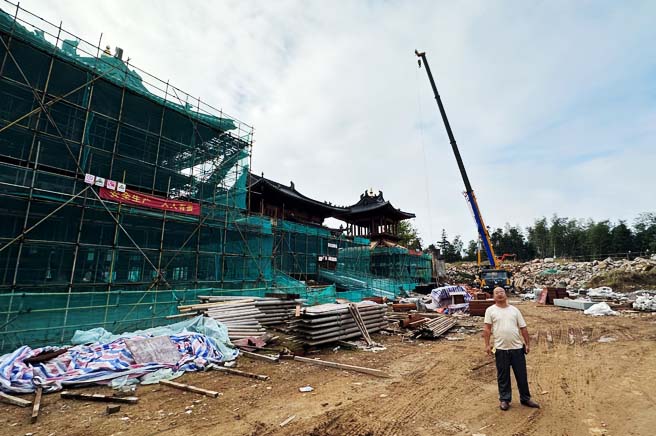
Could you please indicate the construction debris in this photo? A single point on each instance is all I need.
(549, 272)
(645, 302)
(111, 409)
(435, 328)
(600, 309)
(287, 421)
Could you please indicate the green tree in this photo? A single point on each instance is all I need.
(538, 237)
(645, 233)
(621, 238)
(599, 239)
(471, 253)
(408, 236)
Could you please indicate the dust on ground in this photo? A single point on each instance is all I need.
(592, 376)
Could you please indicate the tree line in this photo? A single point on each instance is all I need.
(559, 237)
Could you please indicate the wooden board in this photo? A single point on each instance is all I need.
(159, 349)
(10, 399)
(99, 398)
(189, 388)
(37, 404)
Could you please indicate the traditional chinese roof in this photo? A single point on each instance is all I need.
(289, 196)
(370, 204)
(373, 204)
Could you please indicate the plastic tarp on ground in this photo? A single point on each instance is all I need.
(600, 309)
(200, 342)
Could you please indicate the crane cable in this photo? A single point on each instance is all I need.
(423, 153)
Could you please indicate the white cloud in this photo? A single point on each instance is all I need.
(551, 103)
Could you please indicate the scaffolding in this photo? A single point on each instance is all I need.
(68, 258)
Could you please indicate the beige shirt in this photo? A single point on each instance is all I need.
(506, 323)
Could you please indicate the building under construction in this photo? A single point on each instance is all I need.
(121, 196)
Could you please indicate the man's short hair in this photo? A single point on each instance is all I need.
(499, 288)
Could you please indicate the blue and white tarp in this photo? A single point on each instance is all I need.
(441, 297)
(200, 341)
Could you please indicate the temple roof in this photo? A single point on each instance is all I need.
(290, 196)
(370, 204)
(373, 204)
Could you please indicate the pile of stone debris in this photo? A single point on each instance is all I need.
(549, 272)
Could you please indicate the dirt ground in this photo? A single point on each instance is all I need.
(585, 386)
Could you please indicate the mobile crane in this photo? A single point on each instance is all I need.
(492, 276)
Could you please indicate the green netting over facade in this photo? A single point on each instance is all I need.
(388, 272)
(401, 264)
(78, 267)
(69, 260)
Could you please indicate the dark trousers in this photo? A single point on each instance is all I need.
(515, 358)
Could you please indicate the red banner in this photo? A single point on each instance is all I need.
(144, 200)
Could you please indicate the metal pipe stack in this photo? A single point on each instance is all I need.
(327, 323)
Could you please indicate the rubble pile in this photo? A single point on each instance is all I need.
(646, 303)
(548, 272)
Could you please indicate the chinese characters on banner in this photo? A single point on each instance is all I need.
(145, 200)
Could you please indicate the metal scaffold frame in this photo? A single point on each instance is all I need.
(59, 231)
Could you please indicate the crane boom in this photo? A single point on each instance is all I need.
(471, 198)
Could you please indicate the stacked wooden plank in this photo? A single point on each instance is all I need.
(327, 323)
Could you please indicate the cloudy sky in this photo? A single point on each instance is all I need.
(553, 103)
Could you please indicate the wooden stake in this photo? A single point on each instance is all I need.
(37, 404)
(189, 388)
(10, 399)
(364, 370)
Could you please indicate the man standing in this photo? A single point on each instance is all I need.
(505, 323)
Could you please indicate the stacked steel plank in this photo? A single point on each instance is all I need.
(327, 323)
(241, 316)
(274, 311)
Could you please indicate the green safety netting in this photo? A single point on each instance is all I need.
(401, 264)
(113, 69)
(79, 269)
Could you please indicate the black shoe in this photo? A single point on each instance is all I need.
(531, 403)
(504, 405)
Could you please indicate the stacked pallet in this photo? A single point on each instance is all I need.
(275, 311)
(327, 323)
